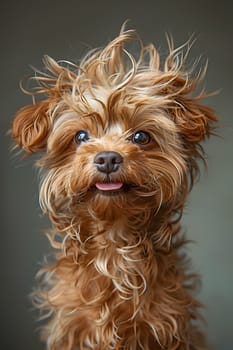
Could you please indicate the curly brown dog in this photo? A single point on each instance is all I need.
(120, 142)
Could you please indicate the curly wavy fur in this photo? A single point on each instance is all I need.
(118, 280)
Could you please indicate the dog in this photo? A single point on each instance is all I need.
(120, 142)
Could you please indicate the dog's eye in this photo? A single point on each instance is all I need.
(141, 138)
(81, 136)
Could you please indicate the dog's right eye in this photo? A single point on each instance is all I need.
(141, 137)
(81, 136)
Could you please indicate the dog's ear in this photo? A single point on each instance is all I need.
(31, 127)
(194, 120)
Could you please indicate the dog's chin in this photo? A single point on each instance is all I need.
(116, 200)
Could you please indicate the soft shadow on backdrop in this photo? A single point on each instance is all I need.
(67, 29)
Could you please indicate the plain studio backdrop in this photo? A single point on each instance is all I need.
(66, 30)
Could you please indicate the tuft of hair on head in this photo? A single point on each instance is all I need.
(148, 80)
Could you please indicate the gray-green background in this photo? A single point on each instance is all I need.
(67, 29)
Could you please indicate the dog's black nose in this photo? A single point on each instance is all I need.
(108, 162)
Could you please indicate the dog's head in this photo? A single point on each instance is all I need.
(118, 135)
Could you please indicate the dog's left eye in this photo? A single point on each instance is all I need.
(81, 136)
(141, 138)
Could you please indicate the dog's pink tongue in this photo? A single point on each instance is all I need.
(112, 186)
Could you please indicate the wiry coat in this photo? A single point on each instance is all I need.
(118, 280)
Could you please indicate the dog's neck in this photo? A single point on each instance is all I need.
(123, 231)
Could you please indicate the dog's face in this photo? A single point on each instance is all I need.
(116, 140)
(126, 162)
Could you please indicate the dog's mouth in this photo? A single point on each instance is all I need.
(111, 188)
